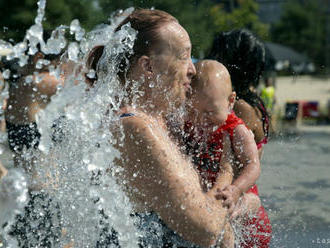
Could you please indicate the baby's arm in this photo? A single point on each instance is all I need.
(245, 151)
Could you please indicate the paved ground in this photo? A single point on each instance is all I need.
(295, 186)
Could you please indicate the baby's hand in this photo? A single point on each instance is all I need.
(249, 203)
(230, 194)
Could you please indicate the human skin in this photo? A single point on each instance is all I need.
(27, 99)
(3, 171)
(4, 103)
(252, 117)
(212, 100)
(158, 176)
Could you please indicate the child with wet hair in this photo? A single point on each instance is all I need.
(210, 118)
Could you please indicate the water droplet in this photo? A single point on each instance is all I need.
(29, 79)
(6, 74)
(92, 167)
(91, 74)
(73, 51)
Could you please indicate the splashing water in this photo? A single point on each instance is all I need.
(13, 198)
(67, 168)
(87, 148)
(75, 160)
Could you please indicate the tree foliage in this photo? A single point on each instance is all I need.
(18, 15)
(243, 16)
(201, 18)
(302, 27)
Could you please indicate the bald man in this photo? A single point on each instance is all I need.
(210, 117)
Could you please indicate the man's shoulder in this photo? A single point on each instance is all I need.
(134, 122)
(140, 128)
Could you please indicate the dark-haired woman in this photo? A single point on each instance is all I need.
(244, 56)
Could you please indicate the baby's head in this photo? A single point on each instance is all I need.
(212, 97)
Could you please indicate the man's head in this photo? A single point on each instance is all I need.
(212, 96)
(162, 56)
(161, 59)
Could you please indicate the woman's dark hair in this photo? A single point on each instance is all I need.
(244, 56)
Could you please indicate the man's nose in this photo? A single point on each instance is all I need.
(191, 69)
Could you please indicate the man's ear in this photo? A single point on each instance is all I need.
(232, 99)
(144, 63)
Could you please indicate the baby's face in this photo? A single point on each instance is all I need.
(212, 106)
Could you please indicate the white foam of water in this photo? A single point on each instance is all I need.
(66, 168)
(13, 198)
(87, 145)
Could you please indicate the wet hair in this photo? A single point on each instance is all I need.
(147, 23)
(244, 56)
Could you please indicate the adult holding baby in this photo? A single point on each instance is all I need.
(161, 182)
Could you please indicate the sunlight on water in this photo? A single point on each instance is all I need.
(77, 169)
(74, 167)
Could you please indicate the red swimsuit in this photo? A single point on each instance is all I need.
(258, 230)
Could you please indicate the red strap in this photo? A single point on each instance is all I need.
(262, 142)
(254, 190)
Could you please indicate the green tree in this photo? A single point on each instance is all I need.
(302, 26)
(243, 16)
(201, 18)
(18, 15)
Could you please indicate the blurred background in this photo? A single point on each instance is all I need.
(295, 179)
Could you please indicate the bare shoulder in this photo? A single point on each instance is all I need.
(242, 108)
(141, 130)
(247, 113)
(241, 132)
(136, 123)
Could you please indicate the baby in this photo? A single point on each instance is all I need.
(210, 118)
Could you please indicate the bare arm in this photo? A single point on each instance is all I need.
(247, 154)
(225, 175)
(225, 166)
(169, 184)
(48, 85)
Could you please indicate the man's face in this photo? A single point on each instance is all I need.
(172, 66)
